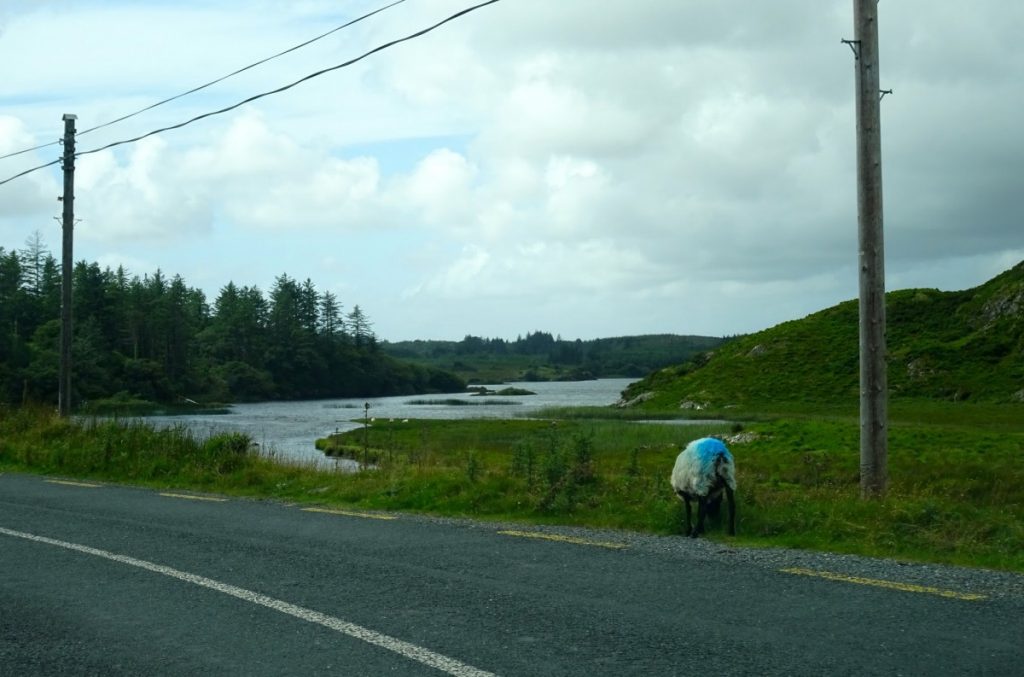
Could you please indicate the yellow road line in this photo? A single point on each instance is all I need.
(892, 585)
(350, 513)
(74, 484)
(562, 539)
(190, 497)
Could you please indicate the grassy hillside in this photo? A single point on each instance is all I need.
(954, 346)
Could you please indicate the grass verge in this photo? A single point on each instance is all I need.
(956, 491)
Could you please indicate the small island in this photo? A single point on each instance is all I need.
(482, 391)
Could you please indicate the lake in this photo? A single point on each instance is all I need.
(289, 429)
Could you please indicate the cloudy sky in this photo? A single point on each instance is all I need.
(590, 168)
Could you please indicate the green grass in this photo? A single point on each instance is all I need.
(627, 414)
(955, 495)
(956, 482)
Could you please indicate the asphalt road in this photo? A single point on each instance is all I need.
(110, 580)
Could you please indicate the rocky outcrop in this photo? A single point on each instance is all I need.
(741, 438)
(1009, 303)
(639, 399)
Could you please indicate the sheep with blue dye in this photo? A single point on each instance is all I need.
(705, 470)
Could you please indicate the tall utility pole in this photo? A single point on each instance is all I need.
(67, 264)
(874, 445)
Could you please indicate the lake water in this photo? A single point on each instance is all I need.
(289, 429)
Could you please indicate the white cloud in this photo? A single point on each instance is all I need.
(250, 175)
(33, 194)
(441, 186)
(139, 198)
(600, 162)
(540, 268)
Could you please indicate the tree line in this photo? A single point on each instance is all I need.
(541, 355)
(158, 339)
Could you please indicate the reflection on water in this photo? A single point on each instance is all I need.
(289, 429)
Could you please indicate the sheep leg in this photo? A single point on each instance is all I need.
(689, 515)
(702, 513)
(714, 505)
(732, 509)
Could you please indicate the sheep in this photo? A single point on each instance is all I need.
(703, 470)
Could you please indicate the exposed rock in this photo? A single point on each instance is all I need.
(757, 350)
(704, 358)
(696, 406)
(918, 369)
(1008, 304)
(642, 397)
(1018, 396)
(741, 438)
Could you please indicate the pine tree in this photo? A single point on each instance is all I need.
(360, 327)
(332, 323)
(33, 260)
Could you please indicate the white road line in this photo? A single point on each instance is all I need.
(193, 497)
(69, 483)
(400, 647)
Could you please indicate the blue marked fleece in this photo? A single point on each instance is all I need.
(709, 448)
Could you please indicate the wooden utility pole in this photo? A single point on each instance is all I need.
(67, 265)
(874, 446)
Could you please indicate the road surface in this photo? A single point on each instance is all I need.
(111, 580)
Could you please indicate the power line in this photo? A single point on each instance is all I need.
(297, 82)
(273, 91)
(241, 70)
(29, 171)
(29, 150)
(212, 82)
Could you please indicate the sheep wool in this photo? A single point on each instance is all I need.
(695, 468)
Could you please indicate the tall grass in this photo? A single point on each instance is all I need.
(598, 473)
(124, 450)
(956, 491)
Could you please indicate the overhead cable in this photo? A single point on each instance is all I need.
(213, 82)
(273, 91)
(289, 86)
(29, 171)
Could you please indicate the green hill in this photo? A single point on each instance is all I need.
(963, 345)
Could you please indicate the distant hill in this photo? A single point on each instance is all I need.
(539, 356)
(963, 345)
